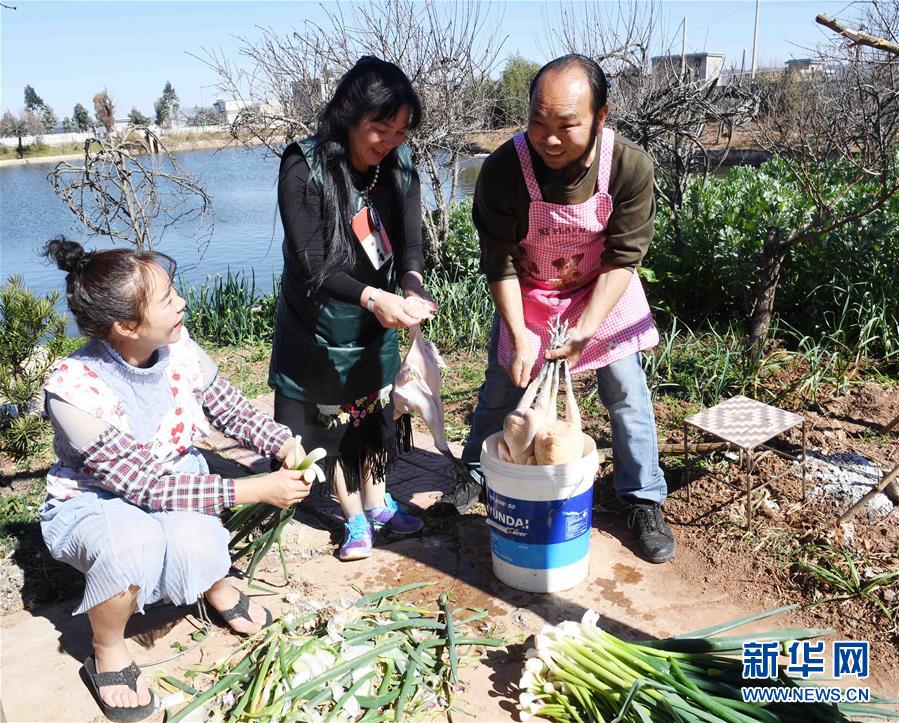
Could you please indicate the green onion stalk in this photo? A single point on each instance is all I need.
(256, 528)
(375, 659)
(579, 672)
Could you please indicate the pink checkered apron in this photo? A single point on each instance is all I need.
(558, 263)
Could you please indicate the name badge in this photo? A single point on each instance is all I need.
(372, 237)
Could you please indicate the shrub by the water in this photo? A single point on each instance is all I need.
(229, 309)
(454, 279)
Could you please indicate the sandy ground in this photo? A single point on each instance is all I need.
(41, 649)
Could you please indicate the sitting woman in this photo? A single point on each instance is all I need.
(131, 502)
(350, 204)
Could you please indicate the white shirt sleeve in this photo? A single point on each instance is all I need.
(208, 367)
(76, 427)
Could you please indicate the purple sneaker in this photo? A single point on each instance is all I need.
(357, 543)
(393, 518)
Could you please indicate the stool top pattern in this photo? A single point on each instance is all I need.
(744, 422)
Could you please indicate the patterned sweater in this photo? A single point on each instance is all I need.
(132, 430)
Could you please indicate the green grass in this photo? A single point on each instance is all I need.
(590, 404)
(858, 338)
(245, 366)
(461, 381)
(18, 512)
(699, 368)
(42, 150)
(835, 574)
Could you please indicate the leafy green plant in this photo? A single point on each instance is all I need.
(230, 310)
(835, 575)
(454, 279)
(377, 659)
(23, 436)
(723, 221)
(18, 512)
(32, 337)
(460, 254)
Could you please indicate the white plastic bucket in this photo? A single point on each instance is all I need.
(539, 518)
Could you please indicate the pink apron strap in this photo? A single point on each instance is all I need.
(527, 167)
(606, 148)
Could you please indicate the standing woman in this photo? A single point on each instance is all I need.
(349, 199)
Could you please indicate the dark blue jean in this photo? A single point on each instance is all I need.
(622, 389)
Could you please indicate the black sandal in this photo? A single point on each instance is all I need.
(126, 676)
(241, 609)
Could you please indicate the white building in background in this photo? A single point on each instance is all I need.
(229, 110)
(806, 66)
(700, 66)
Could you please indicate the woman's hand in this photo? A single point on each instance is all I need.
(291, 454)
(281, 489)
(418, 301)
(391, 311)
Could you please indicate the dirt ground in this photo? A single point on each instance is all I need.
(721, 571)
(634, 599)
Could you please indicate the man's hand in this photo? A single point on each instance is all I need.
(521, 364)
(570, 350)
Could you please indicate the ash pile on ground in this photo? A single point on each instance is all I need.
(840, 480)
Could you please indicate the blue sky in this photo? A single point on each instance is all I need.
(70, 50)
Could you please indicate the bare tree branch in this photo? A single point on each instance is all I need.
(837, 130)
(448, 50)
(130, 187)
(662, 108)
(858, 37)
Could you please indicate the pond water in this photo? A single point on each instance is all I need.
(246, 234)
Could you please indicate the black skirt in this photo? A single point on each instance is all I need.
(363, 438)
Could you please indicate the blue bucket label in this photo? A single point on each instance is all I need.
(539, 522)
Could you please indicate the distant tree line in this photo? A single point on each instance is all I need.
(38, 118)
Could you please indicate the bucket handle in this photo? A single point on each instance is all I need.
(496, 526)
(553, 508)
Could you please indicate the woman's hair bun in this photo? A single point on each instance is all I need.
(66, 254)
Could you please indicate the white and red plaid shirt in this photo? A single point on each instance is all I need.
(117, 462)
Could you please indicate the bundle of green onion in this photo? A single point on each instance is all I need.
(579, 672)
(376, 659)
(255, 528)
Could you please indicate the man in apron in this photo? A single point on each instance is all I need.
(565, 215)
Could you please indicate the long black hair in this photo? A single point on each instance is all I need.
(373, 89)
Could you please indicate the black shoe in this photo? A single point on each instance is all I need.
(605, 499)
(655, 538)
(464, 494)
